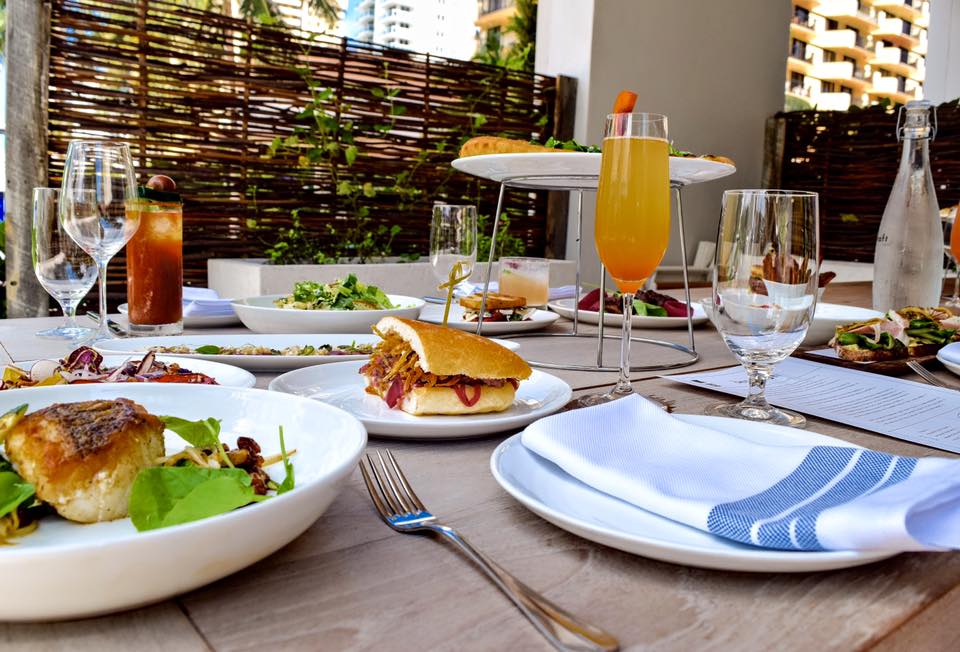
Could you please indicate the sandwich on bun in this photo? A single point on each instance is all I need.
(428, 369)
(500, 307)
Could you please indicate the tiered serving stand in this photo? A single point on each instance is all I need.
(578, 172)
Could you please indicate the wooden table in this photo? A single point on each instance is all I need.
(360, 586)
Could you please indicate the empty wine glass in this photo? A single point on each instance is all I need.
(765, 288)
(453, 247)
(97, 205)
(64, 270)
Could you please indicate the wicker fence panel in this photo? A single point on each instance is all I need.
(200, 97)
(851, 159)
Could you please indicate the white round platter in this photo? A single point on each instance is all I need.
(260, 315)
(565, 308)
(539, 319)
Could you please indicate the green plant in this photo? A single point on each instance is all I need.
(520, 55)
(507, 243)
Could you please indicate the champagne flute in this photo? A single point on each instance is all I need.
(453, 247)
(97, 205)
(951, 247)
(633, 217)
(64, 270)
(765, 288)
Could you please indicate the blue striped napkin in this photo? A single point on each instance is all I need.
(801, 494)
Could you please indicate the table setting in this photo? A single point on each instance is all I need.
(284, 434)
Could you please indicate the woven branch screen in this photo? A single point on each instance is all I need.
(851, 159)
(362, 135)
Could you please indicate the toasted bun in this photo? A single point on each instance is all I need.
(494, 301)
(920, 350)
(496, 145)
(448, 351)
(443, 400)
(854, 353)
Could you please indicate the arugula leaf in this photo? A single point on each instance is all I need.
(288, 480)
(643, 309)
(679, 152)
(204, 433)
(14, 491)
(10, 418)
(208, 349)
(170, 495)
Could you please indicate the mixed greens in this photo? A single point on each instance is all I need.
(573, 146)
(346, 294)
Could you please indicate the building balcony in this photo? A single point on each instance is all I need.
(849, 12)
(365, 35)
(365, 6)
(806, 4)
(899, 32)
(840, 71)
(833, 101)
(889, 87)
(844, 41)
(900, 62)
(909, 9)
(805, 28)
(802, 64)
(798, 90)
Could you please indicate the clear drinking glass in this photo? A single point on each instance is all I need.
(951, 247)
(453, 247)
(765, 288)
(64, 270)
(97, 205)
(526, 277)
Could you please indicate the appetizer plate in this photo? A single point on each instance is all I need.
(253, 362)
(194, 321)
(342, 385)
(225, 374)
(433, 313)
(551, 493)
(565, 308)
(69, 570)
(580, 169)
(260, 315)
(950, 357)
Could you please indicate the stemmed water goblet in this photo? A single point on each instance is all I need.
(97, 205)
(453, 247)
(64, 270)
(765, 288)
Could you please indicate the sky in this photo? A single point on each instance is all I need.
(350, 22)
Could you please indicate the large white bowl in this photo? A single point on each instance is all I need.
(69, 570)
(260, 315)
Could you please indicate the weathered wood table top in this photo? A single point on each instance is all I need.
(357, 585)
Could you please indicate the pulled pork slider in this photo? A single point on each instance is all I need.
(428, 369)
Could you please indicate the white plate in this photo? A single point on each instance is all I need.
(260, 315)
(433, 313)
(950, 357)
(342, 385)
(566, 502)
(571, 167)
(225, 374)
(564, 307)
(195, 321)
(69, 570)
(254, 362)
(826, 318)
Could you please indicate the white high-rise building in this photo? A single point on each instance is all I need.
(442, 27)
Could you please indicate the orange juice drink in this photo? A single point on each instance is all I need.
(633, 208)
(955, 239)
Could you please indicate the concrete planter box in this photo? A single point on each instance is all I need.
(251, 277)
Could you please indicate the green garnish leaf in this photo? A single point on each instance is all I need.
(170, 495)
(644, 309)
(10, 418)
(208, 349)
(14, 491)
(346, 294)
(204, 433)
(288, 480)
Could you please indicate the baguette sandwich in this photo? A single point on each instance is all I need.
(500, 307)
(428, 369)
(904, 333)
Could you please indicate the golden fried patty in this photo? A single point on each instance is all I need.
(83, 457)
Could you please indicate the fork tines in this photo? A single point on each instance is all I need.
(389, 489)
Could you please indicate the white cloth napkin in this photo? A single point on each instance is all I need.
(773, 495)
(466, 289)
(951, 353)
(204, 302)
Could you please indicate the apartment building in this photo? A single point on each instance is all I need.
(493, 17)
(441, 27)
(847, 53)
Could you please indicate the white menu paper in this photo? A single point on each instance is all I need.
(904, 409)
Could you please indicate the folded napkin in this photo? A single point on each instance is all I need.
(204, 302)
(770, 494)
(951, 353)
(466, 289)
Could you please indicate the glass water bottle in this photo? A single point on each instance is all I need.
(908, 260)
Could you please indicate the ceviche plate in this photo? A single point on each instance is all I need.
(261, 315)
(257, 362)
(342, 385)
(69, 570)
(433, 313)
(565, 308)
(225, 374)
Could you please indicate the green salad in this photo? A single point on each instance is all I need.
(346, 294)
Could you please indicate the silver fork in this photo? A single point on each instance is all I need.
(402, 510)
(927, 375)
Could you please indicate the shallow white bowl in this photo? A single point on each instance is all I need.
(260, 315)
(69, 570)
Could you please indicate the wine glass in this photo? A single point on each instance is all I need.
(632, 227)
(64, 270)
(765, 288)
(951, 247)
(97, 205)
(453, 247)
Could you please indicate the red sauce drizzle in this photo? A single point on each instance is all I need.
(461, 391)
